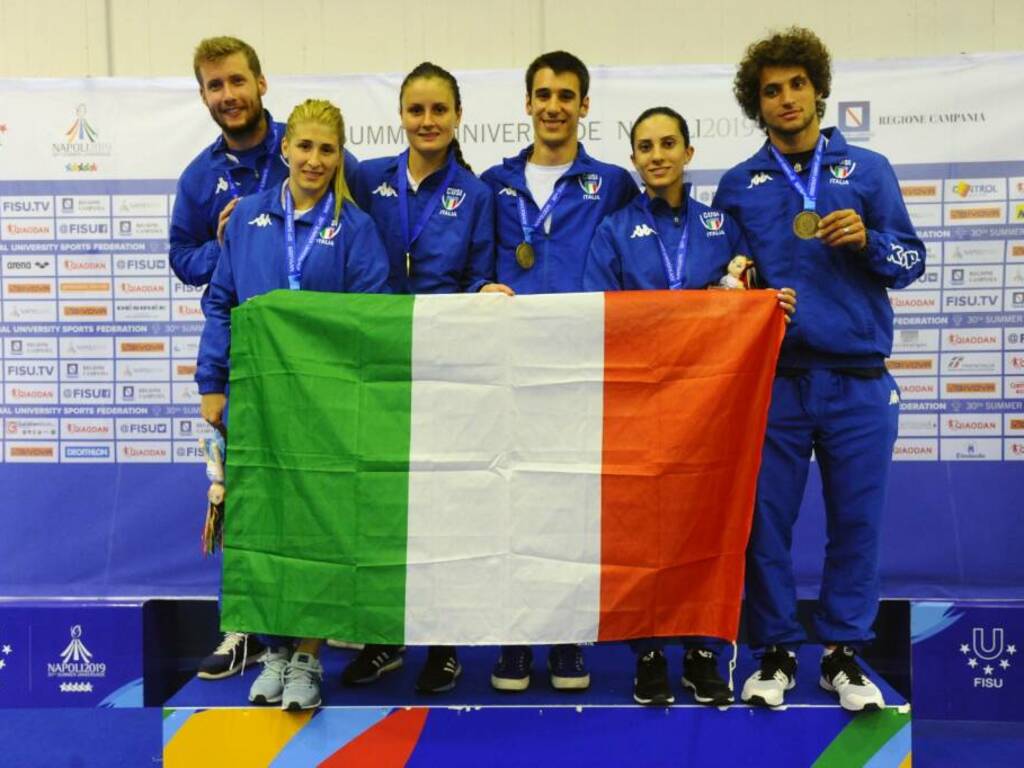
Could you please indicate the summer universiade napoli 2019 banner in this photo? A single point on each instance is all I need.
(102, 492)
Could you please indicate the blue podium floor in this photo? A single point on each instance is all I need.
(611, 667)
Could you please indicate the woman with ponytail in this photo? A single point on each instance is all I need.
(437, 221)
(305, 234)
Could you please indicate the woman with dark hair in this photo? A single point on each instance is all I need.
(437, 222)
(662, 240)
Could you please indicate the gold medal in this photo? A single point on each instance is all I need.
(805, 224)
(525, 257)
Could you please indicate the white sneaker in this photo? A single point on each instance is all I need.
(767, 687)
(841, 674)
(302, 679)
(269, 684)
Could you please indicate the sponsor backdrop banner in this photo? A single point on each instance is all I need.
(103, 492)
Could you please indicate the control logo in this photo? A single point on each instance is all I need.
(988, 656)
(76, 662)
(81, 139)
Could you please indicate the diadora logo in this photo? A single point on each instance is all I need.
(222, 185)
(590, 183)
(642, 230)
(758, 179)
(453, 198)
(263, 220)
(713, 221)
(508, 191)
(902, 257)
(842, 171)
(385, 190)
(988, 654)
(76, 661)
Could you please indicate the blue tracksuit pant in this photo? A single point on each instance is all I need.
(850, 423)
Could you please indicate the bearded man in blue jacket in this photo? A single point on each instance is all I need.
(828, 219)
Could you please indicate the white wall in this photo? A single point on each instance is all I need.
(72, 38)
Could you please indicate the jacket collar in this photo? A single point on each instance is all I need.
(513, 169)
(836, 150)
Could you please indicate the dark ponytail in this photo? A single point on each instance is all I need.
(426, 70)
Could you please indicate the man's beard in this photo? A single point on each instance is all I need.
(244, 131)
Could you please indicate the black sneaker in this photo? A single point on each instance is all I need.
(700, 675)
(441, 670)
(841, 674)
(372, 662)
(235, 652)
(651, 686)
(767, 687)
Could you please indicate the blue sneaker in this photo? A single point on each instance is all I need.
(568, 669)
(512, 671)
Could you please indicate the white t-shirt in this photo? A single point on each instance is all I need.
(541, 180)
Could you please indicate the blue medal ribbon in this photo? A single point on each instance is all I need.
(549, 206)
(295, 264)
(673, 272)
(810, 192)
(233, 187)
(402, 183)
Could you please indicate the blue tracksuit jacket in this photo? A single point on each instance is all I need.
(455, 251)
(349, 259)
(845, 319)
(595, 189)
(203, 192)
(624, 254)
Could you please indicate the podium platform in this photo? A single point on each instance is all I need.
(387, 723)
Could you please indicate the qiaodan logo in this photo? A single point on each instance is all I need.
(989, 656)
(76, 660)
(81, 139)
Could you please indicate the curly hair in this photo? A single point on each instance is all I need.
(794, 47)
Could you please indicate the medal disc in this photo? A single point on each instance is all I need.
(805, 224)
(525, 257)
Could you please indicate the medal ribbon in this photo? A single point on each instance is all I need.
(295, 265)
(810, 193)
(402, 183)
(549, 206)
(233, 187)
(674, 273)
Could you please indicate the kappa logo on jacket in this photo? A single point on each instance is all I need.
(758, 179)
(222, 185)
(385, 190)
(508, 191)
(263, 220)
(642, 230)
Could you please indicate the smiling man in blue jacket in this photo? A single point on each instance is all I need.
(244, 160)
(828, 219)
(548, 201)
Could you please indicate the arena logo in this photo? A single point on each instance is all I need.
(76, 660)
(989, 656)
(81, 138)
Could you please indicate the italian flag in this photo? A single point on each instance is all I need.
(479, 469)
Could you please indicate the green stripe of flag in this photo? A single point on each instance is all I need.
(341, 362)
